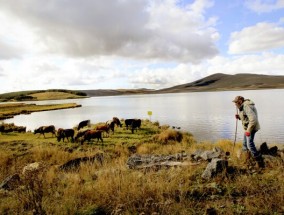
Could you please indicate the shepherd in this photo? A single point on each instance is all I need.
(248, 115)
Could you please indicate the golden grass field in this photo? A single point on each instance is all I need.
(113, 188)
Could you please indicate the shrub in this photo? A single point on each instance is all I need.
(168, 135)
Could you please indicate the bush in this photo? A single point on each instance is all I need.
(168, 135)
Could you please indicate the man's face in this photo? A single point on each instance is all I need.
(239, 103)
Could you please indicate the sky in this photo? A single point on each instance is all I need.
(131, 44)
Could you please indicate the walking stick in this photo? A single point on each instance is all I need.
(236, 130)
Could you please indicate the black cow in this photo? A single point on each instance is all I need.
(91, 135)
(136, 123)
(128, 122)
(45, 129)
(65, 133)
(83, 124)
(109, 125)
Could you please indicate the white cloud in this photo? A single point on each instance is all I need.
(261, 37)
(139, 29)
(266, 63)
(261, 6)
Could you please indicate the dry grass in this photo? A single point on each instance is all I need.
(112, 188)
(54, 95)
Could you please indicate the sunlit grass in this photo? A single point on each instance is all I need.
(111, 186)
(54, 95)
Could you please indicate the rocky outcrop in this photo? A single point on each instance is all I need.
(208, 155)
(137, 161)
(214, 167)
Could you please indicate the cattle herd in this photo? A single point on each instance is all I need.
(85, 134)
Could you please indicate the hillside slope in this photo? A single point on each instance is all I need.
(219, 82)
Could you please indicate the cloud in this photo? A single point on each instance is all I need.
(261, 6)
(261, 37)
(266, 63)
(139, 29)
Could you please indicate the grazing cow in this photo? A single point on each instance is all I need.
(92, 134)
(111, 125)
(104, 128)
(65, 133)
(45, 129)
(128, 122)
(80, 134)
(83, 124)
(116, 121)
(136, 123)
(21, 129)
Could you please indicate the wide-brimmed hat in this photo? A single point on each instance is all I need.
(238, 98)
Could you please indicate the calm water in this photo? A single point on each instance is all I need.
(207, 115)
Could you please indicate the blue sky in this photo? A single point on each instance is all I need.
(122, 44)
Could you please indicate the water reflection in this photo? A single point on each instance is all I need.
(207, 115)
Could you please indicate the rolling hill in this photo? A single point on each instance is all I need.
(215, 82)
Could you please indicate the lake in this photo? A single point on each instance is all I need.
(209, 116)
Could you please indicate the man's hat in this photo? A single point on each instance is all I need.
(238, 98)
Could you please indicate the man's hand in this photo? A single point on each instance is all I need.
(237, 116)
(247, 133)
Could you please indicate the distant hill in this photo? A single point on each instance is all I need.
(215, 82)
(222, 82)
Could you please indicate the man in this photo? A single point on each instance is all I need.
(248, 116)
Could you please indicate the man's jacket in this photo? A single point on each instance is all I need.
(248, 115)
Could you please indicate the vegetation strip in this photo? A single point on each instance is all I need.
(10, 110)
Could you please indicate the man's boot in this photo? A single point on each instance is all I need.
(247, 158)
(259, 162)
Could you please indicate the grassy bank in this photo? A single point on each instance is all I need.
(12, 109)
(113, 188)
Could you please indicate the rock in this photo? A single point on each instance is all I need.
(31, 168)
(206, 155)
(215, 166)
(74, 164)
(134, 161)
(265, 150)
(137, 161)
(273, 151)
(11, 182)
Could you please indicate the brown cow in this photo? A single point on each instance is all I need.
(104, 128)
(116, 121)
(80, 134)
(92, 134)
(45, 129)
